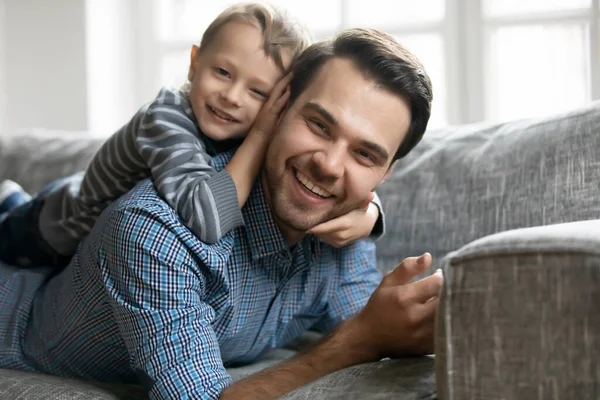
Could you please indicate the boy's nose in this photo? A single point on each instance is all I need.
(233, 95)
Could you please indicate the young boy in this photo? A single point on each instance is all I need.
(236, 91)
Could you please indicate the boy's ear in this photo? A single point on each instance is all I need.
(193, 59)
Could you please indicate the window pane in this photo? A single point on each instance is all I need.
(511, 7)
(429, 48)
(174, 69)
(316, 15)
(187, 19)
(536, 70)
(376, 13)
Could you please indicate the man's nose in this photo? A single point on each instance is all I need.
(330, 161)
(233, 94)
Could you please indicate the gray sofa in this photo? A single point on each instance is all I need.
(511, 212)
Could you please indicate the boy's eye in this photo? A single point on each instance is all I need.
(222, 71)
(260, 93)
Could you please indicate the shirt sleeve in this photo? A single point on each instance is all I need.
(379, 227)
(181, 169)
(157, 295)
(358, 280)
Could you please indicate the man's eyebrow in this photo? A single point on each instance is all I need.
(321, 110)
(375, 148)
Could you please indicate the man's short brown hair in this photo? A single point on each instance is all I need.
(380, 58)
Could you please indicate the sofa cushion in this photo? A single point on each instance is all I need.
(17, 385)
(462, 183)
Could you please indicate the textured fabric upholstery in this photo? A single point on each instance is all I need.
(520, 316)
(517, 317)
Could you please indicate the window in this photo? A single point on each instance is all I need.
(2, 71)
(488, 59)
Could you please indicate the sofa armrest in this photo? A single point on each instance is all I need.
(519, 316)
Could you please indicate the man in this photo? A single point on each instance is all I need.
(145, 300)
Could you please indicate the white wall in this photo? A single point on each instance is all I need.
(45, 62)
(111, 64)
(68, 65)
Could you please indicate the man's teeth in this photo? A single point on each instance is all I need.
(311, 186)
(225, 117)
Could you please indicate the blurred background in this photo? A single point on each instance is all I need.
(88, 65)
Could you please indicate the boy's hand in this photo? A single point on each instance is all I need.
(356, 224)
(269, 113)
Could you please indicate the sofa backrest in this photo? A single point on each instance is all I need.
(457, 185)
(36, 157)
(462, 183)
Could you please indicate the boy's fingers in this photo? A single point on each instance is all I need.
(328, 226)
(282, 100)
(365, 204)
(283, 83)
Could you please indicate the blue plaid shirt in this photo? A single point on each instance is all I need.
(145, 301)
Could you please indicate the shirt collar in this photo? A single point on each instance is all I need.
(263, 235)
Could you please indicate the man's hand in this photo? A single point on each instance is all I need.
(399, 318)
(267, 117)
(355, 225)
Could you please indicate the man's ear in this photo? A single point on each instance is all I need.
(193, 60)
(389, 171)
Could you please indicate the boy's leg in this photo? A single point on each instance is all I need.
(21, 243)
(12, 196)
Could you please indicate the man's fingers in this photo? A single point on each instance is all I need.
(427, 288)
(407, 270)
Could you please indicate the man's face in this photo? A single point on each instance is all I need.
(335, 144)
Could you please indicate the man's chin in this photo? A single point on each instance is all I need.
(297, 219)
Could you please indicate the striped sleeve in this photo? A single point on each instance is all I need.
(182, 170)
(157, 294)
(379, 227)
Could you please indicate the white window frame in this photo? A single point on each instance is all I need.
(3, 116)
(464, 30)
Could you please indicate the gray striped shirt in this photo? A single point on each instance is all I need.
(162, 141)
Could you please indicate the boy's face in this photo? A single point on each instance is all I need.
(231, 79)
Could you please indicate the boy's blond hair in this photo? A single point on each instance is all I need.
(280, 31)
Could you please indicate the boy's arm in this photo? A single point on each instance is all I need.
(379, 227)
(182, 170)
(245, 164)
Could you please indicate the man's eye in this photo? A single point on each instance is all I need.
(318, 124)
(222, 71)
(365, 155)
